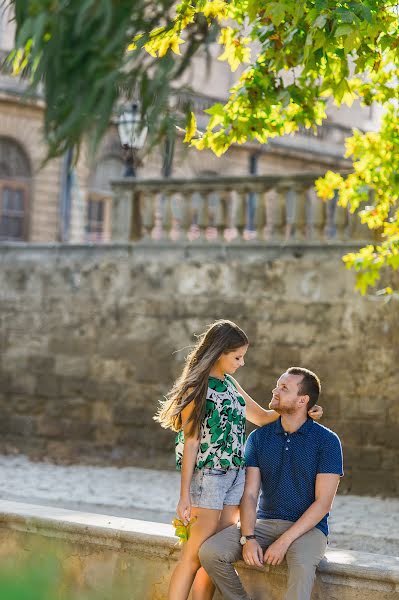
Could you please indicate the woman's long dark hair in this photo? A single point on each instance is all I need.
(219, 338)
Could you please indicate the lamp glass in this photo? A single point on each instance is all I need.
(129, 128)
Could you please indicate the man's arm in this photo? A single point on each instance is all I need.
(325, 490)
(251, 552)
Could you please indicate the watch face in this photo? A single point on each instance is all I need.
(243, 540)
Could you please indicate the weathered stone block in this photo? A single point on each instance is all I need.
(48, 386)
(50, 427)
(41, 364)
(20, 425)
(109, 369)
(102, 412)
(23, 383)
(71, 366)
(67, 342)
(373, 482)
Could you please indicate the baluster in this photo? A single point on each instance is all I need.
(330, 229)
(358, 230)
(230, 232)
(260, 214)
(203, 216)
(289, 196)
(240, 214)
(222, 214)
(148, 208)
(299, 213)
(176, 208)
(316, 215)
(213, 209)
(274, 214)
(186, 213)
(341, 222)
(167, 215)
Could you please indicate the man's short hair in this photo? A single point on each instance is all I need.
(309, 386)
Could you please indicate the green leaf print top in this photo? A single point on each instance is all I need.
(222, 431)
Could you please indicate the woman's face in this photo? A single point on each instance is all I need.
(230, 362)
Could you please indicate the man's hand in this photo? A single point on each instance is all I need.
(275, 553)
(252, 554)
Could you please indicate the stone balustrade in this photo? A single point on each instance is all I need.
(107, 557)
(274, 209)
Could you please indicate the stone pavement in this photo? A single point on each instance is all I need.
(357, 523)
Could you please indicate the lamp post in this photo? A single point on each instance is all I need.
(132, 134)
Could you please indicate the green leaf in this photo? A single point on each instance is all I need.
(277, 12)
(320, 21)
(343, 30)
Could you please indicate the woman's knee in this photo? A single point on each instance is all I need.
(190, 562)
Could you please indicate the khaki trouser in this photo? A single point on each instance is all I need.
(219, 552)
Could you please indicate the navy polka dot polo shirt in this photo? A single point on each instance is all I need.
(289, 463)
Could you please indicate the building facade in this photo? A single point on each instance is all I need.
(56, 202)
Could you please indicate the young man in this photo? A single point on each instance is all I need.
(297, 464)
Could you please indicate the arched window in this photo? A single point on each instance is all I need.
(99, 202)
(15, 175)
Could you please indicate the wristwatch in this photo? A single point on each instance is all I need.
(245, 538)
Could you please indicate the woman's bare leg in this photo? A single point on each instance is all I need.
(183, 575)
(203, 587)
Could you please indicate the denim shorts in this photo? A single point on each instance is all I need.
(214, 488)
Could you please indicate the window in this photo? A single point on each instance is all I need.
(14, 191)
(97, 218)
(13, 198)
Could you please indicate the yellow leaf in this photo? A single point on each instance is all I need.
(191, 128)
(163, 47)
(175, 43)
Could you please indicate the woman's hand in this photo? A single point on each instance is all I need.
(184, 509)
(316, 412)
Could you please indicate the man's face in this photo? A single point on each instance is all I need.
(286, 400)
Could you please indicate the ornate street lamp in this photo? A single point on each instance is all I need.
(132, 134)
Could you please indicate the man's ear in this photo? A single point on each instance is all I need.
(303, 400)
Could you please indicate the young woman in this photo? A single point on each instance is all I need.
(208, 409)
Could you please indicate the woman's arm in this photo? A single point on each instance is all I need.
(190, 451)
(255, 413)
(260, 416)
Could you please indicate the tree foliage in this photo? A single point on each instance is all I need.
(298, 57)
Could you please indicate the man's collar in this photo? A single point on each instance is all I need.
(304, 429)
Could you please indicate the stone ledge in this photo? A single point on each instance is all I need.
(359, 574)
(179, 250)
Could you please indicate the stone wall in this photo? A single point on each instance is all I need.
(92, 337)
(103, 557)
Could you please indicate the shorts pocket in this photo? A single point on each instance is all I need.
(215, 472)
